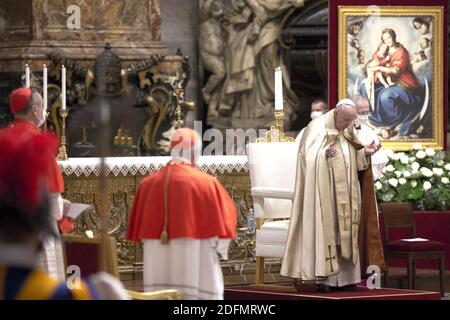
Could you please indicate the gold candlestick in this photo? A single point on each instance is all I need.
(178, 93)
(276, 132)
(47, 114)
(62, 155)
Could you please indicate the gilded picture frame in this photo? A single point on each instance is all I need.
(394, 56)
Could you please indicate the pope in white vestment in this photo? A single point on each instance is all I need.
(324, 234)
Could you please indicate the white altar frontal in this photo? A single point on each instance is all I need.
(123, 174)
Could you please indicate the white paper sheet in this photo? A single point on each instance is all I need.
(76, 209)
(415, 239)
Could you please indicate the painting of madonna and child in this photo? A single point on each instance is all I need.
(390, 62)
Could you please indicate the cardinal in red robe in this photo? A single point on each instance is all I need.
(185, 217)
(25, 219)
(27, 106)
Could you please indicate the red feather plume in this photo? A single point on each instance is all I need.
(25, 158)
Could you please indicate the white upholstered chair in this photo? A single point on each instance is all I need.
(272, 174)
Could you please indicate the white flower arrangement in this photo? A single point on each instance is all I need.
(426, 172)
(421, 154)
(378, 185)
(417, 146)
(393, 182)
(404, 159)
(415, 166)
(430, 152)
(420, 176)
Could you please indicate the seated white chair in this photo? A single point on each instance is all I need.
(272, 175)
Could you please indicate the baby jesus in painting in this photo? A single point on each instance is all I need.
(380, 58)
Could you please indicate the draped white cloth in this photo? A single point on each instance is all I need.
(189, 265)
(147, 165)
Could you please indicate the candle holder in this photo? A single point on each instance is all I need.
(179, 121)
(178, 93)
(276, 132)
(62, 155)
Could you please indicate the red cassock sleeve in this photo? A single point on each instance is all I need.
(199, 207)
(55, 179)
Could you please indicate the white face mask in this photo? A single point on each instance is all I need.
(41, 123)
(316, 114)
(361, 119)
(40, 117)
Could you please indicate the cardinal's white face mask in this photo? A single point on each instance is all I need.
(316, 114)
(40, 116)
(361, 119)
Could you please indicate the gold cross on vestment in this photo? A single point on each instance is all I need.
(331, 259)
(355, 222)
(344, 217)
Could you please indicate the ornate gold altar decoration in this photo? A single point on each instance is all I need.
(150, 82)
(122, 138)
(178, 93)
(276, 132)
(168, 80)
(238, 186)
(158, 107)
(120, 194)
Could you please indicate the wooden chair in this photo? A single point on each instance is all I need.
(400, 215)
(86, 253)
(272, 175)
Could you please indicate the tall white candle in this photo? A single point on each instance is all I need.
(27, 76)
(278, 89)
(63, 88)
(44, 85)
